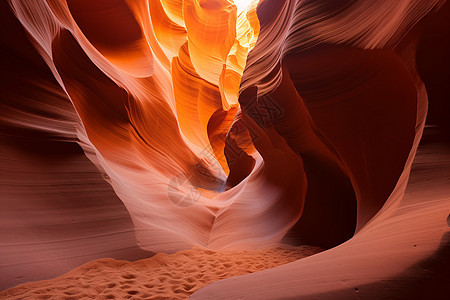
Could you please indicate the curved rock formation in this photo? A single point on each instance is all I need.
(227, 128)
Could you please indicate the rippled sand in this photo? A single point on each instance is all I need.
(163, 276)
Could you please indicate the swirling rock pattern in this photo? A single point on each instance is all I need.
(289, 121)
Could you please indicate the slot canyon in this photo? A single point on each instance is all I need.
(219, 149)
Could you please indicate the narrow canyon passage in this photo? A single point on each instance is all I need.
(132, 128)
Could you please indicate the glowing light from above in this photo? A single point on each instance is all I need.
(242, 4)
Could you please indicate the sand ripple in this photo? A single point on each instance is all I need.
(163, 276)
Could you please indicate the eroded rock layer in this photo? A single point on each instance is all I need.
(220, 127)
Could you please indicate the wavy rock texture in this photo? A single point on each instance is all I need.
(290, 121)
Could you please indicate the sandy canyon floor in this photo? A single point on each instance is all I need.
(163, 276)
